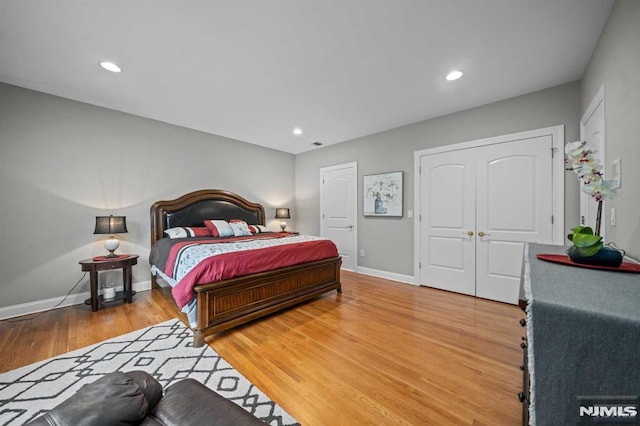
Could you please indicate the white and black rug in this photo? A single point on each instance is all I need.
(164, 351)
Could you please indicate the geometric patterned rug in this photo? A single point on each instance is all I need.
(165, 351)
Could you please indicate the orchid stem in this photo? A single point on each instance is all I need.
(599, 218)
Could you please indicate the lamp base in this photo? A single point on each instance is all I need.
(111, 245)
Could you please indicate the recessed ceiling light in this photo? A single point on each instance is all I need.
(297, 131)
(454, 75)
(110, 66)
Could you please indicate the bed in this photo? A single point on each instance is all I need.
(227, 302)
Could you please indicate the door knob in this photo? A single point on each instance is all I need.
(350, 227)
(470, 233)
(482, 234)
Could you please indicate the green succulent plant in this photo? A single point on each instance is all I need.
(586, 243)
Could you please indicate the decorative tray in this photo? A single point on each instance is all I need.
(633, 268)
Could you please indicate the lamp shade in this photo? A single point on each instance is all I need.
(111, 225)
(282, 213)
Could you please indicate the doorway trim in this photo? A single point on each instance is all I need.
(586, 203)
(557, 137)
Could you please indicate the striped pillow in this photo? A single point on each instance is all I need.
(257, 229)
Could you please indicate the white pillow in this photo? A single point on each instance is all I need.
(187, 232)
(240, 228)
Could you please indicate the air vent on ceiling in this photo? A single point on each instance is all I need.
(316, 143)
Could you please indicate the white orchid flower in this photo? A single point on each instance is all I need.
(600, 189)
(574, 147)
(589, 170)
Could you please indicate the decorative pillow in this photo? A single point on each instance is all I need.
(219, 228)
(256, 229)
(240, 228)
(188, 232)
(253, 229)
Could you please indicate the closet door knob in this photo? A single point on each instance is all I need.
(482, 234)
(470, 233)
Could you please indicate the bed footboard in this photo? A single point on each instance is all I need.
(236, 301)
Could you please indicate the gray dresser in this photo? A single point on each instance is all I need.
(583, 331)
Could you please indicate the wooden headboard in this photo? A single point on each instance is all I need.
(193, 208)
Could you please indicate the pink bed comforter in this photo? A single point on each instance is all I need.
(235, 257)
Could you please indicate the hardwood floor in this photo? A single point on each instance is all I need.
(380, 353)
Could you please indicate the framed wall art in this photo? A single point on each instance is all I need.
(382, 194)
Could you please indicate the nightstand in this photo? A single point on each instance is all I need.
(124, 262)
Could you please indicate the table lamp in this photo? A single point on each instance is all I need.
(111, 225)
(283, 213)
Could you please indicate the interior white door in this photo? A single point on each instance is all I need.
(592, 131)
(447, 208)
(513, 205)
(338, 210)
(478, 203)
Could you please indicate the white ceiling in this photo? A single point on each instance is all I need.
(253, 70)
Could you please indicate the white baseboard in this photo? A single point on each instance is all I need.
(407, 279)
(48, 304)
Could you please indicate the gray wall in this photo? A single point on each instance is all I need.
(615, 63)
(64, 162)
(388, 243)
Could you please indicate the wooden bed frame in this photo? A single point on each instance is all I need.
(229, 303)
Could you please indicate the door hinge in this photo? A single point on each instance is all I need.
(419, 265)
(552, 219)
(420, 170)
(420, 217)
(553, 152)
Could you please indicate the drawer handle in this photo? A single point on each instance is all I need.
(523, 322)
(522, 397)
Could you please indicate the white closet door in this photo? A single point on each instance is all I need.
(447, 254)
(513, 205)
(478, 206)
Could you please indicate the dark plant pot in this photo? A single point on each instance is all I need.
(606, 256)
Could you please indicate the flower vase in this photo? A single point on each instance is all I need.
(379, 207)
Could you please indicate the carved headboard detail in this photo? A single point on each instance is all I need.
(193, 208)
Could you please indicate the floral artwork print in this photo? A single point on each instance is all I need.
(383, 194)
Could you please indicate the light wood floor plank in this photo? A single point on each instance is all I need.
(380, 353)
